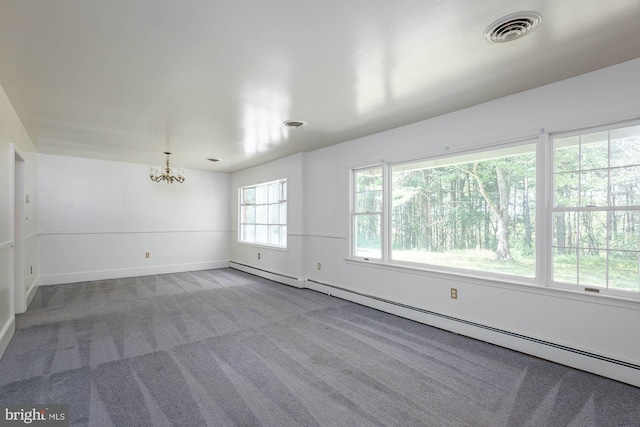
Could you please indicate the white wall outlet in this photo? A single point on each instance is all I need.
(146, 254)
(319, 266)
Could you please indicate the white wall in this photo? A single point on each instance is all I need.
(7, 312)
(99, 218)
(12, 136)
(591, 323)
(287, 264)
(32, 264)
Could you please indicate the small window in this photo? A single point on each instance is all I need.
(263, 214)
(366, 214)
(596, 209)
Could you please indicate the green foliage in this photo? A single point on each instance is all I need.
(442, 208)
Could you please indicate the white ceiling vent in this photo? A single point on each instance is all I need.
(512, 27)
(296, 124)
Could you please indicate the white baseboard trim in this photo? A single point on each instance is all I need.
(7, 332)
(276, 277)
(87, 276)
(605, 366)
(31, 292)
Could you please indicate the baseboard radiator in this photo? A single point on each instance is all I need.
(260, 272)
(485, 327)
(293, 281)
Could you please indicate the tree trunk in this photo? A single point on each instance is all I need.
(503, 253)
(561, 233)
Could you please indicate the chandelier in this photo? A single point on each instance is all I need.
(169, 175)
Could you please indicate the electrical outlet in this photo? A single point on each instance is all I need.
(319, 266)
(146, 254)
(454, 293)
(31, 269)
(258, 255)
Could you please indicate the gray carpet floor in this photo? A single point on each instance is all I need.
(224, 348)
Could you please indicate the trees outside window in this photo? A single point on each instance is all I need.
(596, 209)
(474, 212)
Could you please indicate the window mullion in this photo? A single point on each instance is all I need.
(386, 212)
(544, 215)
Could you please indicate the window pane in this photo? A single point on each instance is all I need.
(625, 186)
(595, 150)
(274, 192)
(274, 213)
(262, 194)
(368, 190)
(274, 235)
(565, 229)
(594, 188)
(592, 236)
(367, 239)
(567, 190)
(567, 155)
(477, 215)
(370, 201)
(248, 214)
(623, 270)
(592, 269)
(261, 214)
(565, 265)
(248, 233)
(624, 230)
(625, 146)
(262, 234)
(249, 195)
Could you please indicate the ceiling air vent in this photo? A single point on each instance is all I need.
(512, 27)
(296, 124)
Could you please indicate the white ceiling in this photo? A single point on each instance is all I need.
(128, 79)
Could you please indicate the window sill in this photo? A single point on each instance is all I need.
(261, 246)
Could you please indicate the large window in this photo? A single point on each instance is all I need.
(596, 209)
(474, 212)
(570, 221)
(263, 214)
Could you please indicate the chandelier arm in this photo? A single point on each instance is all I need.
(167, 175)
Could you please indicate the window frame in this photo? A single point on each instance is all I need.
(353, 214)
(387, 206)
(446, 160)
(607, 209)
(544, 226)
(284, 191)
